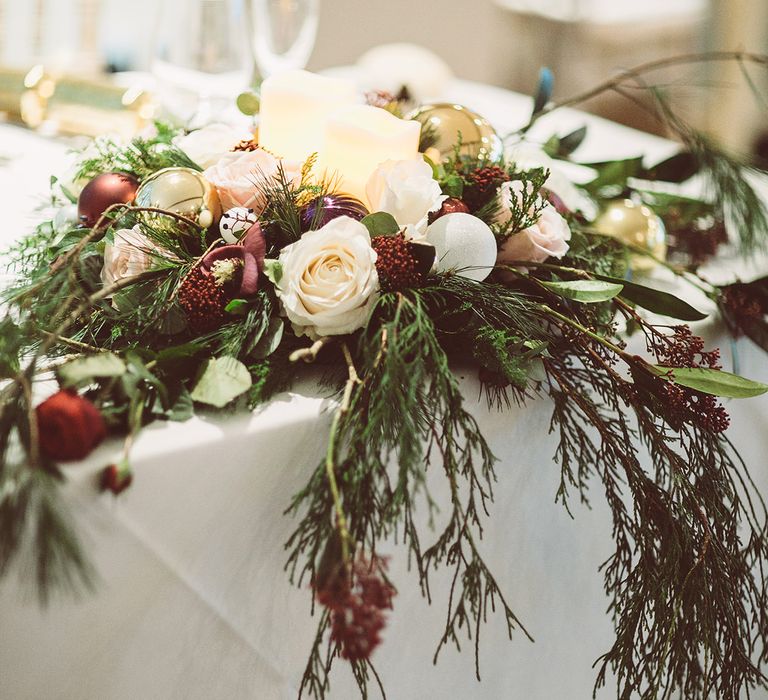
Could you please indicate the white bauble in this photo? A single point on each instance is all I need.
(65, 218)
(235, 222)
(463, 243)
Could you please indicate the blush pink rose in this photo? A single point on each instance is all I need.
(547, 238)
(243, 178)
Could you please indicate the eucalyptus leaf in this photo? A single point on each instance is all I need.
(222, 381)
(713, 381)
(270, 341)
(182, 408)
(655, 300)
(273, 269)
(248, 103)
(381, 224)
(585, 291)
(86, 369)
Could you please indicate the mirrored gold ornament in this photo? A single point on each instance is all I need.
(446, 123)
(182, 191)
(636, 225)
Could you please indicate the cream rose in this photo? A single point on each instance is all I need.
(509, 197)
(130, 254)
(329, 279)
(206, 146)
(406, 190)
(548, 237)
(243, 178)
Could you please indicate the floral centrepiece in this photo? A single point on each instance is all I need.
(463, 260)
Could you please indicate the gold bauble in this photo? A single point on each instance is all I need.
(182, 191)
(636, 225)
(450, 122)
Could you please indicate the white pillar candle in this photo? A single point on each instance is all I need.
(358, 139)
(295, 107)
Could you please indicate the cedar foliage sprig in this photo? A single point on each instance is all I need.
(687, 590)
(140, 157)
(406, 390)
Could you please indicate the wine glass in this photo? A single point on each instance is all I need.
(201, 57)
(284, 33)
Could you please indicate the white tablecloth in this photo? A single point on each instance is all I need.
(193, 602)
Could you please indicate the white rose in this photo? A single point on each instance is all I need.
(548, 237)
(406, 190)
(329, 279)
(207, 145)
(131, 253)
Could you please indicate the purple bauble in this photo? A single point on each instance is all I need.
(323, 209)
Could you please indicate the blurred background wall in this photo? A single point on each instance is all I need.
(503, 42)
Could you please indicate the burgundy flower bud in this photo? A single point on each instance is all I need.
(116, 478)
(556, 201)
(69, 426)
(250, 252)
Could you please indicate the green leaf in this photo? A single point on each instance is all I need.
(237, 307)
(11, 340)
(552, 145)
(655, 300)
(585, 291)
(679, 168)
(86, 369)
(713, 381)
(614, 173)
(570, 142)
(273, 269)
(381, 224)
(270, 341)
(222, 381)
(452, 185)
(248, 103)
(178, 352)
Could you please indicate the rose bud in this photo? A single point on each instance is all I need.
(69, 426)
(116, 478)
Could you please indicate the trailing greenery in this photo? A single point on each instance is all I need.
(404, 402)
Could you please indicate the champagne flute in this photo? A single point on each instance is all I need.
(284, 33)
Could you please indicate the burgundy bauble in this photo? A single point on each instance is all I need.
(452, 205)
(69, 426)
(321, 210)
(102, 192)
